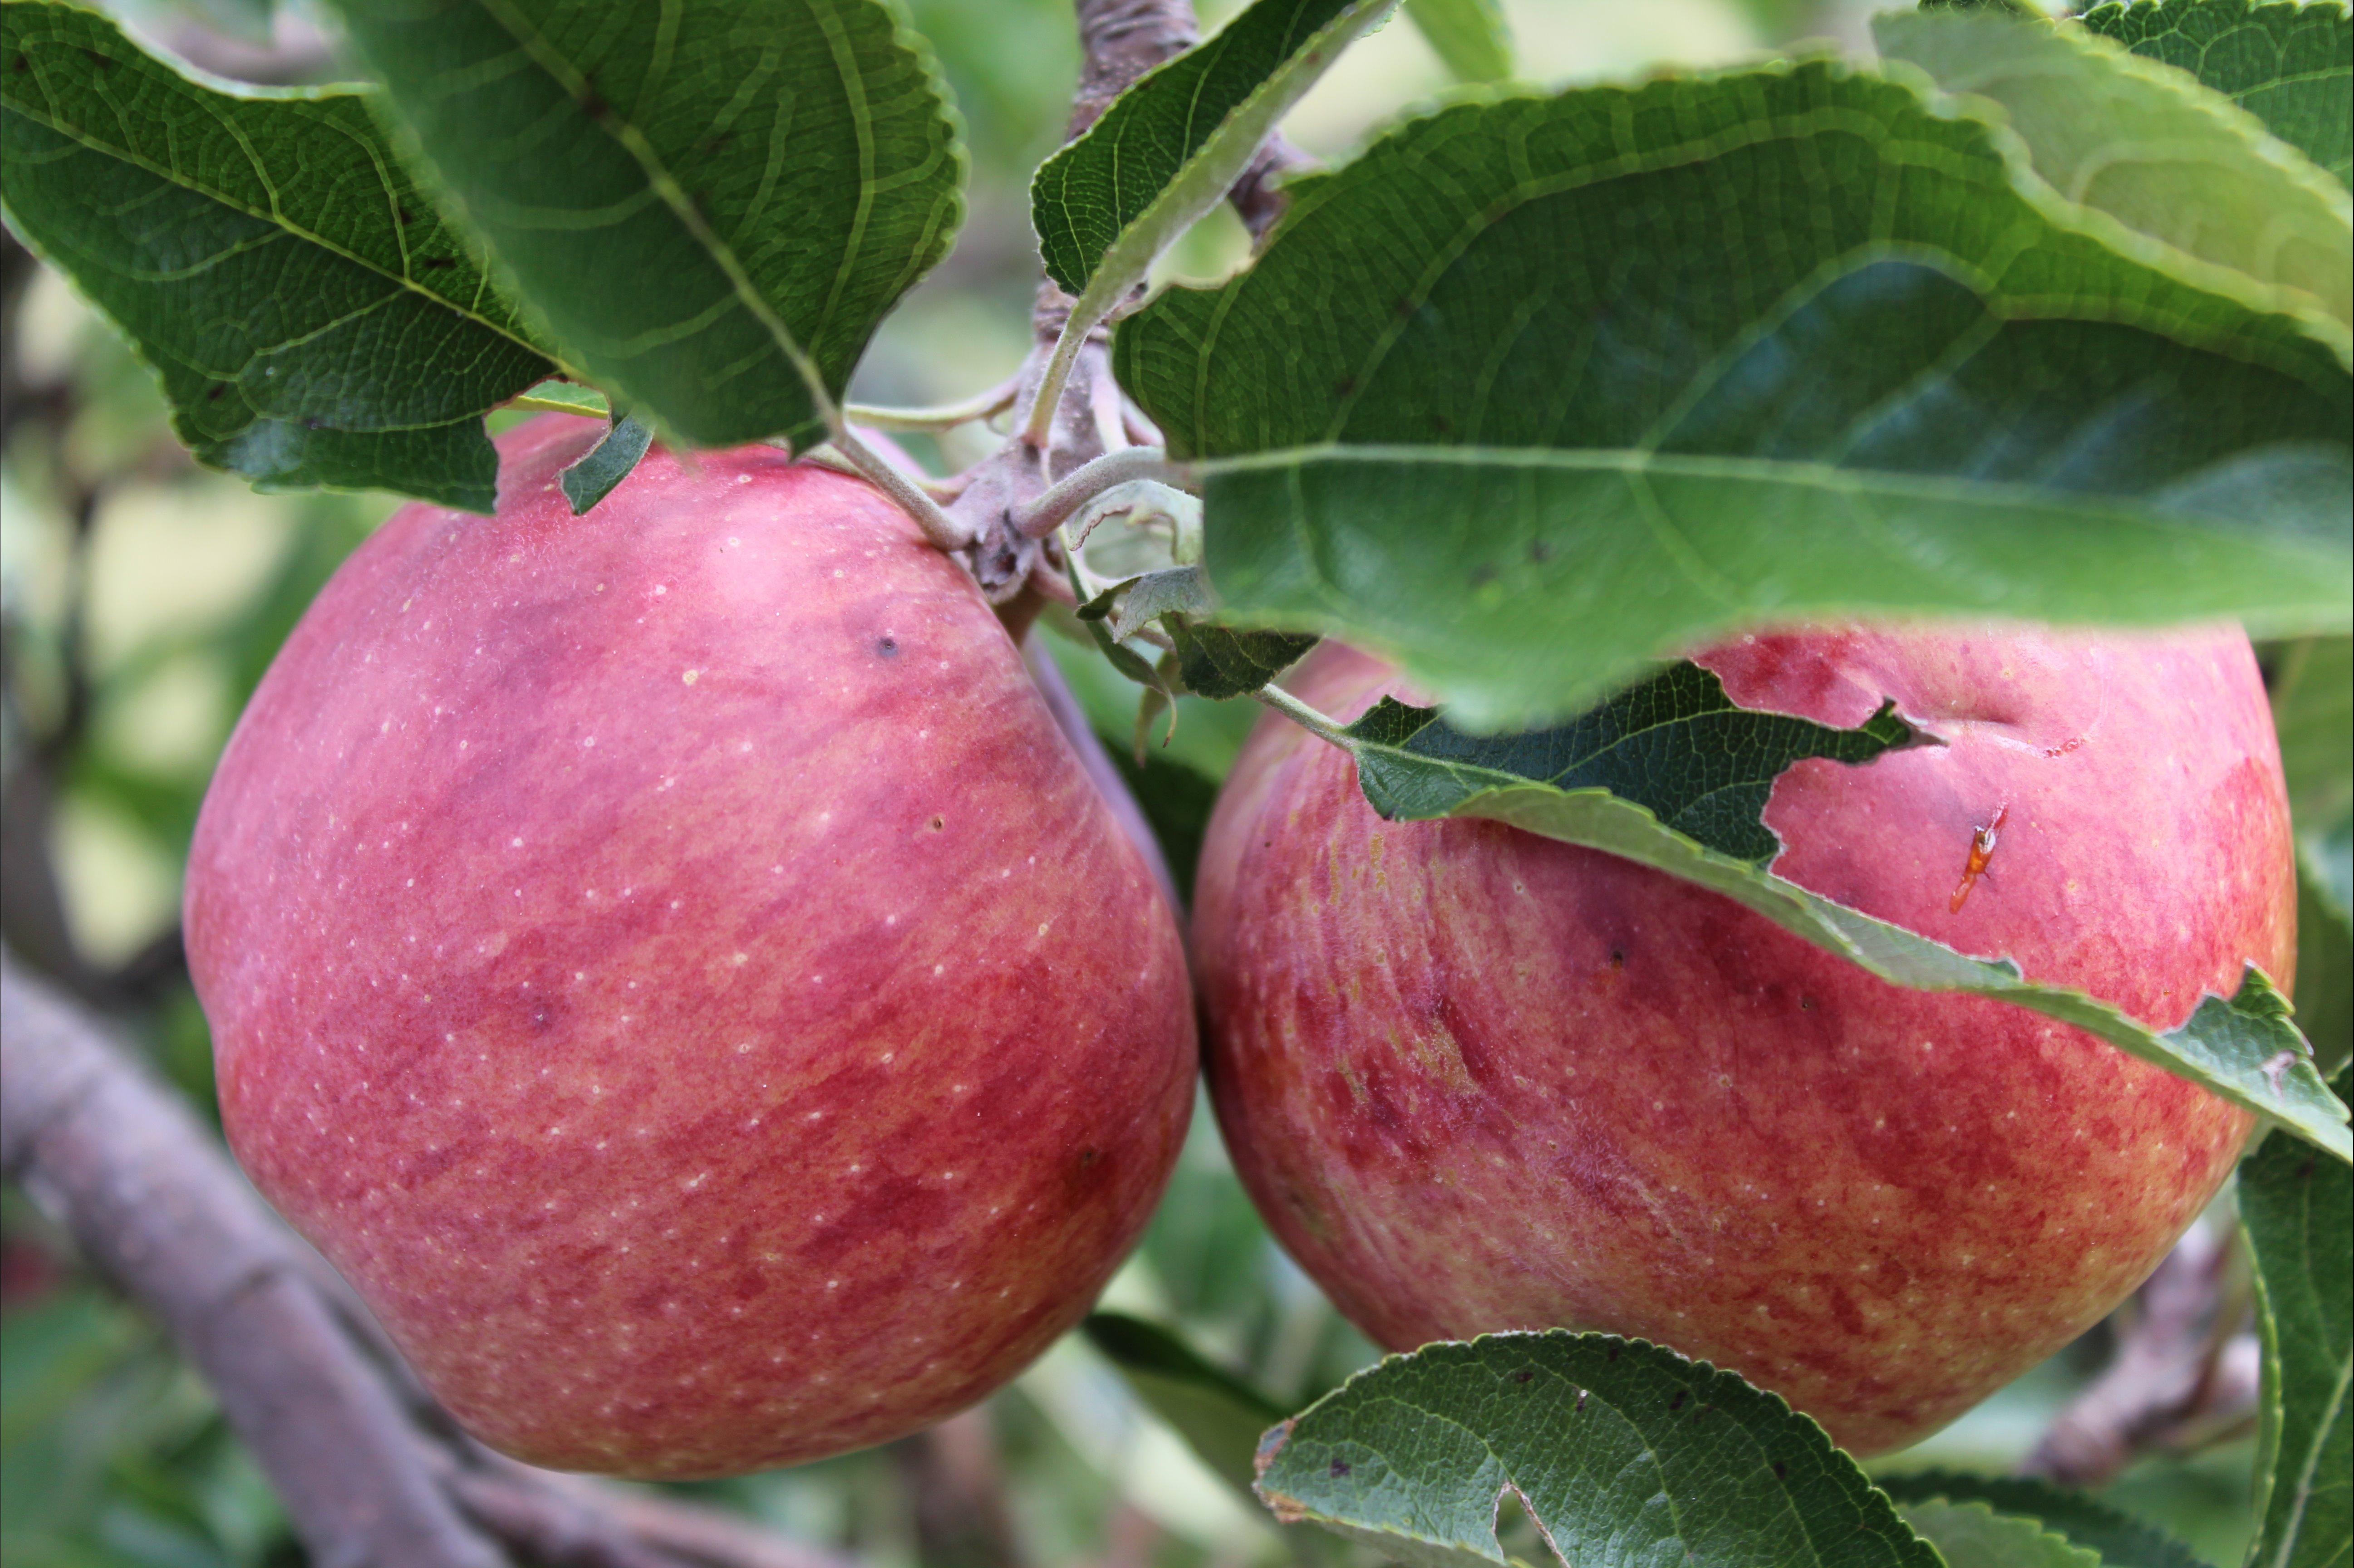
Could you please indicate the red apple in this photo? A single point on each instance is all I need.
(669, 961)
(1478, 1080)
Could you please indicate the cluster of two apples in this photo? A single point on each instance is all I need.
(669, 961)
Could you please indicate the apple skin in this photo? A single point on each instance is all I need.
(669, 962)
(1477, 1079)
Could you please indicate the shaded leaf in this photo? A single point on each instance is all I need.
(1132, 605)
(1171, 146)
(2325, 968)
(711, 202)
(1972, 1535)
(2141, 157)
(1216, 1412)
(2244, 1049)
(1620, 1451)
(2291, 65)
(593, 475)
(2298, 1211)
(1470, 37)
(1219, 662)
(2313, 709)
(1540, 388)
(1675, 744)
(2115, 1537)
(312, 321)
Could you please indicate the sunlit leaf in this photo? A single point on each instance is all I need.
(2142, 157)
(2290, 65)
(1470, 36)
(1540, 388)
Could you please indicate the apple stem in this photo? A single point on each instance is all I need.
(944, 530)
(1306, 718)
(1066, 495)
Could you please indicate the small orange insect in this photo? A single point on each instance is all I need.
(1982, 851)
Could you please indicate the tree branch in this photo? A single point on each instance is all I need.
(2181, 1377)
(371, 1474)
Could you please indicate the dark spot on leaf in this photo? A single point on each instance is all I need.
(1781, 1471)
(1540, 551)
(24, 64)
(593, 102)
(1442, 424)
(1345, 386)
(1612, 1354)
(937, 823)
(888, 647)
(219, 388)
(1581, 1399)
(1482, 576)
(403, 217)
(102, 61)
(1339, 1467)
(1523, 1376)
(312, 422)
(1678, 1402)
(435, 263)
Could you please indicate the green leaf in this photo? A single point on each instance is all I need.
(564, 397)
(2313, 709)
(2114, 1537)
(1219, 662)
(1972, 1535)
(1674, 744)
(2291, 65)
(1132, 605)
(2325, 966)
(2244, 1049)
(2299, 1215)
(1620, 1451)
(1171, 146)
(1216, 1412)
(712, 202)
(2141, 157)
(1470, 37)
(312, 322)
(592, 477)
(1539, 390)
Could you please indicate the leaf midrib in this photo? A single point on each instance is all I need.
(272, 217)
(672, 196)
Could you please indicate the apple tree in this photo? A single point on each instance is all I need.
(1592, 434)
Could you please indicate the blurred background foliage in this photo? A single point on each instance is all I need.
(144, 598)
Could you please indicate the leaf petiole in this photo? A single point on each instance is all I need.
(981, 405)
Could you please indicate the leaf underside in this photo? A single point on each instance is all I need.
(312, 320)
(1219, 662)
(711, 205)
(602, 467)
(1620, 1451)
(2291, 65)
(1540, 388)
(2143, 157)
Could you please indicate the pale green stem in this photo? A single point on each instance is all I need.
(944, 530)
(1083, 484)
(1306, 718)
(996, 400)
